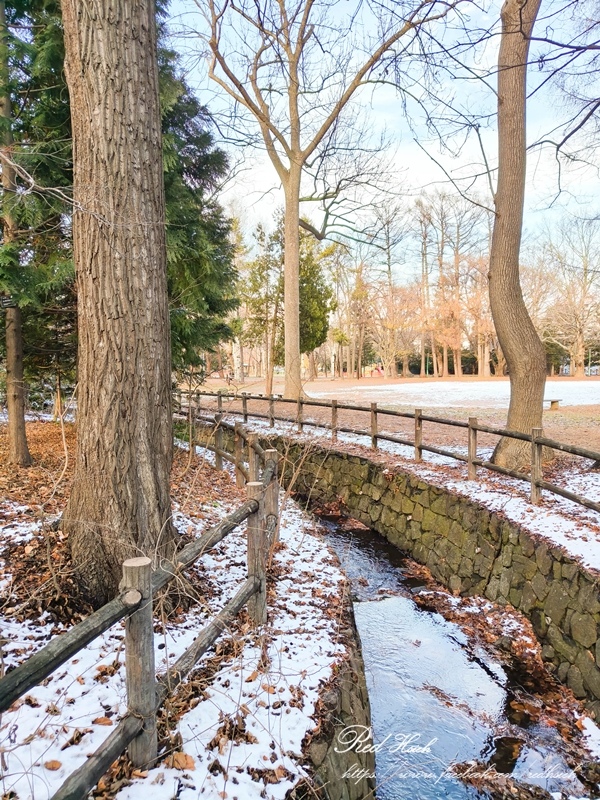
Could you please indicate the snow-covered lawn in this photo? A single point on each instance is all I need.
(466, 393)
(242, 736)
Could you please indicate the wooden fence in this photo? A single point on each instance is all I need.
(146, 692)
(237, 404)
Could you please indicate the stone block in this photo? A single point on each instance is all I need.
(575, 681)
(524, 566)
(527, 544)
(465, 569)
(569, 570)
(539, 586)
(429, 520)
(407, 506)
(456, 534)
(563, 645)
(439, 505)
(491, 591)
(589, 671)
(528, 598)
(584, 629)
(506, 555)
(543, 559)
(514, 597)
(556, 603)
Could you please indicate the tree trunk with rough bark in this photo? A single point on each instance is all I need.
(18, 451)
(291, 282)
(119, 505)
(518, 338)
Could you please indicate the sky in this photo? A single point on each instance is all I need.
(254, 194)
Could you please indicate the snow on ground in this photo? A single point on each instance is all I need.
(48, 734)
(560, 521)
(465, 393)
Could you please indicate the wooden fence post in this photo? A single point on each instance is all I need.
(300, 411)
(334, 420)
(472, 449)
(253, 458)
(218, 442)
(271, 411)
(257, 554)
(418, 435)
(272, 493)
(245, 407)
(238, 447)
(536, 465)
(374, 426)
(219, 402)
(139, 661)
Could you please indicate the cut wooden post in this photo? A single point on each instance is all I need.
(271, 411)
(334, 420)
(219, 402)
(245, 407)
(218, 442)
(238, 446)
(139, 661)
(472, 449)
(257, 554)
(253, 458)
(300, 412)
(418, 435)
(374, 426)
(536, 465)
(272, 494)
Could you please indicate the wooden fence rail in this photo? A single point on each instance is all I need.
(145, 692)
(534, 476)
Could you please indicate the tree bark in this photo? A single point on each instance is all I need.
(18, 451)
(291, 282)
(119, 505)
(518, 338)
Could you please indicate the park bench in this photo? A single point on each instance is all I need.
(553, 404)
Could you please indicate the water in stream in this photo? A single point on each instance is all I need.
(435, 702)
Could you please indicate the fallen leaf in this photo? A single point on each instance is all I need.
(52, 765)
(268, 688)
(252, 677)
(181, 761)
(101, 721)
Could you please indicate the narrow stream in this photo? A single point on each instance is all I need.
(435, 702)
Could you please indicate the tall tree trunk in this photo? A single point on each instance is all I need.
(518, 338)
(291, 283)
(457, 362)
(312, 367)
(434, 357)
(18, 451)
(405, 367)
(486, 357)
(423, 371)
(445, 368)
(119, 504)
(237, 355)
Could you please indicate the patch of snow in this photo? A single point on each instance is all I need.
(276, 704)
(465, 393)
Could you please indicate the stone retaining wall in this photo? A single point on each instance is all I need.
(469, 549)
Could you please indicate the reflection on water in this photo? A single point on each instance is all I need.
(433, 701)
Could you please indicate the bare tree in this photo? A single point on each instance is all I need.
(296, 66)
(119, 504)
(518, 338)
(573, 265)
